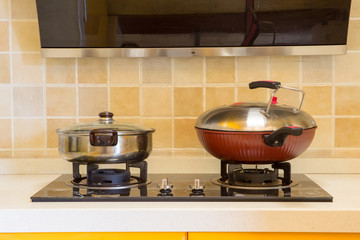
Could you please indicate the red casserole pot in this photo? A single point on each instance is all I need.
(256, 133)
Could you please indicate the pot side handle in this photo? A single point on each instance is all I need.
(103, 137)
(278, 138)
(265, 84)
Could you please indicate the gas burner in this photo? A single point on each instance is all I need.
(108, 177)
(108, 181)
(133, 182)
(251, 186)
(253, 176)
(234, 176)
(121, 189)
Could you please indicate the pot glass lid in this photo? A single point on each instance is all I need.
(251, 117)
(105, 122)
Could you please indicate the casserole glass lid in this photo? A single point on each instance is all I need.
(105, 122)
(250, 117)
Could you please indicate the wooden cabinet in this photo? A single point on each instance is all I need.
(180, 236)
(273, 236)
(94, 236)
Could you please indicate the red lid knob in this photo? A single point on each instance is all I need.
(274, 100)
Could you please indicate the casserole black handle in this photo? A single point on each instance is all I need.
(265, 84)
(278, 138)
(105, 137)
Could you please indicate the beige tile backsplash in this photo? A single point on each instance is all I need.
(60, 70)
(4, 36)
(347, 131)
(23, 9)
(285, 69)
(217, 96)
(220, 70)
(4, 9)
(188, 70)
(252, 69)
(28, 101)
(347, 100)
(92, 70)
(60, 101)
(184, 134)
(156, 70)
(124, 101)
(25, 36)
(354, 40)
(29, 133)
(39, 95)
(5, 128)
(346, 67)
(317, 69)
(188, 101)
(318, 100)
(26, 69)
(92, 99)
(124, 71)
(156, 101)
(163, 131)
(4, 69)
(5, 102)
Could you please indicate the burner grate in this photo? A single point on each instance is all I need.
(235, 174)
(235, 180)
(109, 181)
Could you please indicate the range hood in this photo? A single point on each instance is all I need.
(185, 28)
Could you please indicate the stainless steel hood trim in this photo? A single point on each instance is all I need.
(194, 52)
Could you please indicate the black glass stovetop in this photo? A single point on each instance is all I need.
(304, 190)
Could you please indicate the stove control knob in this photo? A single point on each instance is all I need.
(196, 185)
(165, 188)
(164, 184)
(197, 190)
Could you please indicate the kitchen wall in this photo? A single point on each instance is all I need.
(39, 95)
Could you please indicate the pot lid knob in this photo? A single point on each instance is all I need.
(106, 117)
(106, 114)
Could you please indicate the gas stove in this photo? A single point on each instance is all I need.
(132, 183)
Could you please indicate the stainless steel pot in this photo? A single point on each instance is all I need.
(105, 141)
(256, 133)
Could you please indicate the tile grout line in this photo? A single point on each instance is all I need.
(333, 103)
(24, 19)
(236, 80)
(141, 114)
(204, 88)
(76, 91)
(53, 85)
(204, 83)
(301, 76)
(108, 84)
(20, 52)
(162, 117)
(172, 102)
(12, 122)
(268, 76)
(184, 149)
(43, 69)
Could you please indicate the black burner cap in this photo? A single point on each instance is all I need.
(110, 177)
